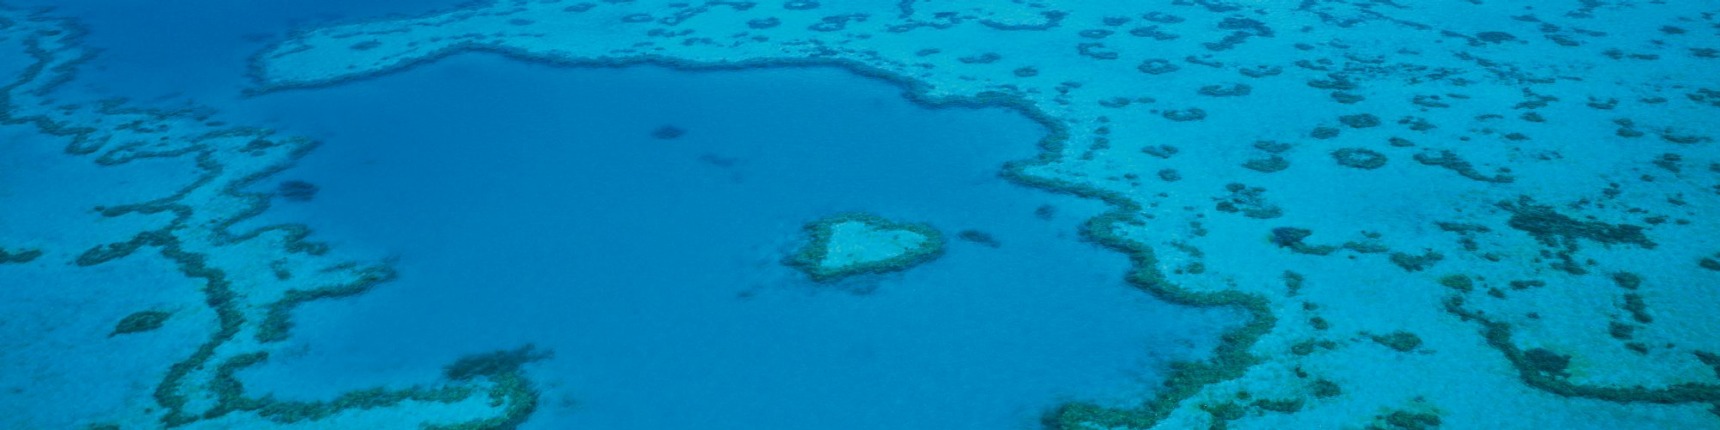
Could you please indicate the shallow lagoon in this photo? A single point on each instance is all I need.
(531, 204)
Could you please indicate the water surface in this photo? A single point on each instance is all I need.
(531, 204)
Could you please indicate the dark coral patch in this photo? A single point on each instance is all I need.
(668, 132)
(298, 191)
(1359, 158)
(140, 322)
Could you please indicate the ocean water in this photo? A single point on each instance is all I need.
(539, 208)
(562, 214)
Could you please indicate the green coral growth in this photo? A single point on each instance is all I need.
(1293, 282)
(980, 237)
(1620, 331)
(1322, 388)
(181, 395)
(1359, 158)
(296, 412)
(1558, 230)
(19, 257)
(1249, 201)
(1527, 284)
(511, 388)
(1545, 370)
(1229, 411)
(1307, 346)
(1282, 406)
(1229, 361)
(139, 322)
(1360, 120)
(502, 367)
(1458, 282)
(810, 259)
(1627, 280)
(1405, 420)
(1711, 360)
(1416, 263)
(1291, 237)
(1709, 263)
(1546, 362)
(277, 321)
(1638, 309)
(229, 392)
(1402, 341)
(1270, 164)
(1451, 161)
(494, 363)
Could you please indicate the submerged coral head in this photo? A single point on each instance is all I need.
(298, 191)
(668, 132)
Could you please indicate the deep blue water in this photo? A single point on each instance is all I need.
(530, 204)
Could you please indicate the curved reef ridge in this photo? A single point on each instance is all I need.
(1480, 215)
(849, 244)
(249, 282)
(1474, 177)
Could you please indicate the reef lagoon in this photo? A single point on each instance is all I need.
(859, 215)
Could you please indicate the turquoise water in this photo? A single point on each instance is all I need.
(520, 214)
(531, 204)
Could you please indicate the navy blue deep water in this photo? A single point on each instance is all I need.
(558, 214)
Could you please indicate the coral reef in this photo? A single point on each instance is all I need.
(979, 237)
(1360, 158)
(1466, 87)
(140, 321)
(19, 257)
(668, 132)
(856, 243)
(298, 191)
(196, 237)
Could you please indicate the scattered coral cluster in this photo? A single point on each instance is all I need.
(250, 280)
(1366, 151)
(1544, 261)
